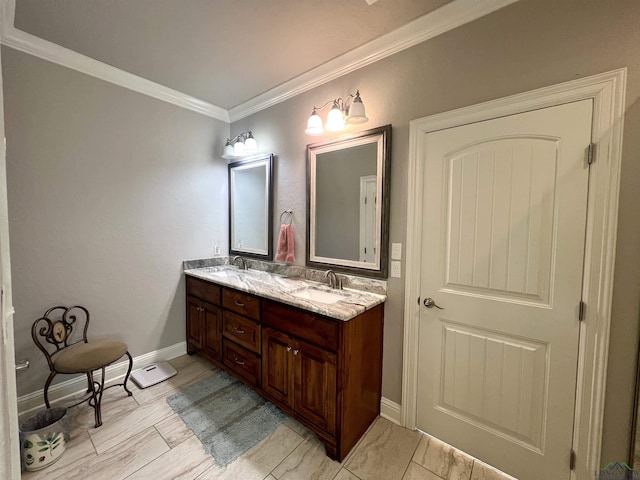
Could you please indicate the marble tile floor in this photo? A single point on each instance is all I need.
(141, 438)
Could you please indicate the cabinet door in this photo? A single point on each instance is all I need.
(315, 385)
(194, 322)
(277, 365)
(212, 331)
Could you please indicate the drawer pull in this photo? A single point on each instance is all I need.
(238, 330)
(240, 304)
(238, 362)
(295, 352)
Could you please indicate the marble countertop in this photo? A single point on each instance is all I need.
(283, 289)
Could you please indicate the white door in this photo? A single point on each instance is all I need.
(505, 205)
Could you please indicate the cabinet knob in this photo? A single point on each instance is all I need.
(288, 348)
(295, 352)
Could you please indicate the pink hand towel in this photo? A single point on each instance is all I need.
(286, 247)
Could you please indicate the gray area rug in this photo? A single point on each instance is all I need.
(228, 417)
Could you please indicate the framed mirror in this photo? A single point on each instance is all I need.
(348, 203)
(251, 207)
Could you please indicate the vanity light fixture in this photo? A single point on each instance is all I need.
(340, 114)
(240, 146)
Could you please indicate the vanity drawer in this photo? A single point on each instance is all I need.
(242, 361)
(241, 303)
(241, 330)
(203, 290)
(306, 326)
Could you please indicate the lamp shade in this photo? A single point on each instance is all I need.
(228, 150)
(335, 119)
(250, 144)
(314, 124)
(356, 111)
(238, 147)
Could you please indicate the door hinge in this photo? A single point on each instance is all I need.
(572, 460)
(418, 300)
(365, 200)
(591, 149)
(581, 309)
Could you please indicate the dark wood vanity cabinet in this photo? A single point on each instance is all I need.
(204, 328)
(326, 373)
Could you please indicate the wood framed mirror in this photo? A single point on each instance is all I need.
(348, 203)
(251, 207)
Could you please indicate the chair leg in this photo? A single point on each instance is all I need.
(94, 401)
(89, 381)
(46, 389)
(126, 378)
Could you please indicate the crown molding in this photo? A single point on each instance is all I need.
(38, 47)
(432, 24)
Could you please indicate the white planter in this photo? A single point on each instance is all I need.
(42, 439)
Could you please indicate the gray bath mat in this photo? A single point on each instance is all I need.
(228, 417)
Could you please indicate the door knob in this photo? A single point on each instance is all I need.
(430, 303)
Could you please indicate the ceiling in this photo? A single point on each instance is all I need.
(224, 52)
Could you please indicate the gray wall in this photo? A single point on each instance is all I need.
(530, 44)
(109, 191)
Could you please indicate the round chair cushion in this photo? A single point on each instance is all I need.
(84, 357)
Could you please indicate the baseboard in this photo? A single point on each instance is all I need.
(390, 410)
(34, 400)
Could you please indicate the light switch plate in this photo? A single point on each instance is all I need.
(396, 251)
(395, 269)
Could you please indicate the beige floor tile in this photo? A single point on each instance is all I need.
(184, 462)
(128, 424)
(297, 427)
(307, 462)
(82, 417)
(173, 430)
(384, 452)
(442, 459)
(79, 450)
(482, 471)
(122, 460)
(416, 472)
(270, 477)
(345, 474)
(259, 461)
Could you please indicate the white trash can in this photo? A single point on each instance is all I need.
(43, 438)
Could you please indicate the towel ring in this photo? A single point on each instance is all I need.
(290, 213)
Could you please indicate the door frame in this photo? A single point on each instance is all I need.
(607, 90)
(9, 443)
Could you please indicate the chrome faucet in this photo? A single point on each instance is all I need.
(334, 281)
(243, 264)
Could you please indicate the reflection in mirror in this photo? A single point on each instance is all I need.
(347, 203)
(250, 207)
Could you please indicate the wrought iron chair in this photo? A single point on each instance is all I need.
(56, 328)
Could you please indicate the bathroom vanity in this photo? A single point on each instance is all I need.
(319, 361)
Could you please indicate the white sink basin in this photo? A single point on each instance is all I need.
(316, 295)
